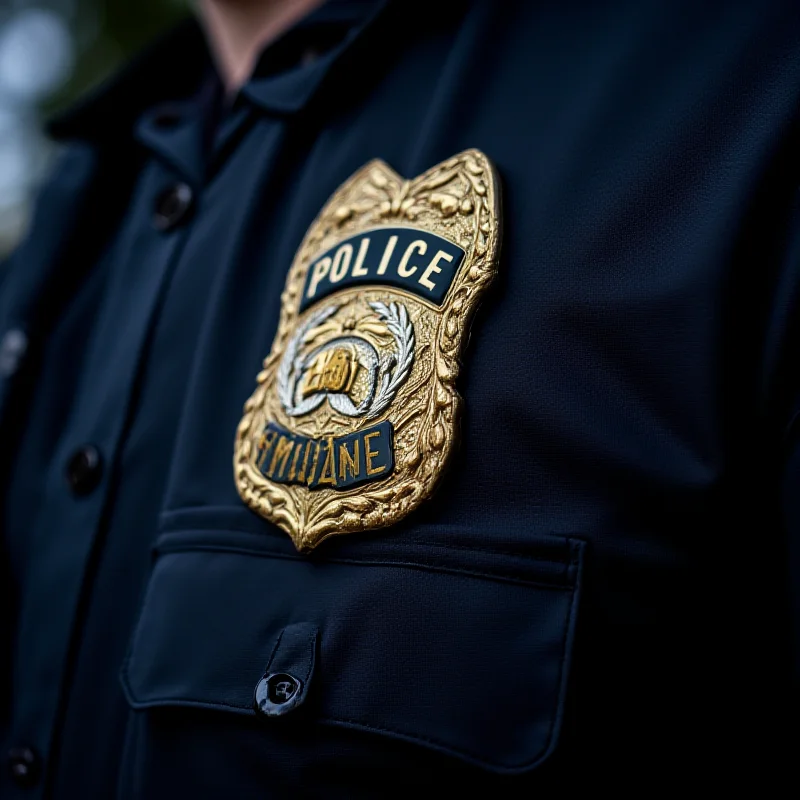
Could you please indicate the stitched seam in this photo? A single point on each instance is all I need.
(216, 704)
(411, 736)
(172, 701)
(312, 644)
(416, 737)
(560, 560)
(183, 510)
(126, 664)
(272, 654)
(495, 551)
(560, 582)
(468, 753)
(561, 671)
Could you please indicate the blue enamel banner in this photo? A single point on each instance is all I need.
(407, 258)
(335, 462)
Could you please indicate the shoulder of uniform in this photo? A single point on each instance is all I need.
(167, 68)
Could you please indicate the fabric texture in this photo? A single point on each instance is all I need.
(603, 589)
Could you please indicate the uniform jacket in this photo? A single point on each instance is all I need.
(604, 588)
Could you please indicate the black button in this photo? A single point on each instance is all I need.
(84, 469)
(172, 206)
(277, 694)
(12, 349)
(23, 766)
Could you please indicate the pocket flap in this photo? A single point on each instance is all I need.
(462, 651)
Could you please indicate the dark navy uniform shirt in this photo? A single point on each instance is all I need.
(603, 590)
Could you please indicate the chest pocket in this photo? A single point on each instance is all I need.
(380, 653)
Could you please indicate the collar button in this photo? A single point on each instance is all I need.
(12, 350)
(84, 470)
(24, 766)
(172, 206)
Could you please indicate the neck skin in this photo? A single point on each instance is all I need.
(238, 30)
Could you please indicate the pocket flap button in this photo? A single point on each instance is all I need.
(281, 689)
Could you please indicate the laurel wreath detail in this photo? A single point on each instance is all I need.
(291, 364)
(393, 369)
(396, 318)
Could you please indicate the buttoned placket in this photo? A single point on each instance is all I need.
(79, 486)
(76, 490)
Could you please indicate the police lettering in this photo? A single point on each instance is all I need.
(418, 261)
(337, 268)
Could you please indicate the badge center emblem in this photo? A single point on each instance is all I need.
(359, 365)
(355, 412)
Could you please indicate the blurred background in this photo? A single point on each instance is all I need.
(51, 52)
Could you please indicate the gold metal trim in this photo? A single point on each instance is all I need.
(458, 200)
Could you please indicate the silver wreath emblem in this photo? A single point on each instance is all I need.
(385, 373)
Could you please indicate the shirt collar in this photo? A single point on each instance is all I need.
(181, 132)
(173, 69)
(324, 36)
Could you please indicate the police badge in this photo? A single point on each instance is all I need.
(354, 414)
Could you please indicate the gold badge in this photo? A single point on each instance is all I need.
(354, 415)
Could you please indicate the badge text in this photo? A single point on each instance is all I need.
(335, 462)
(418, 261)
